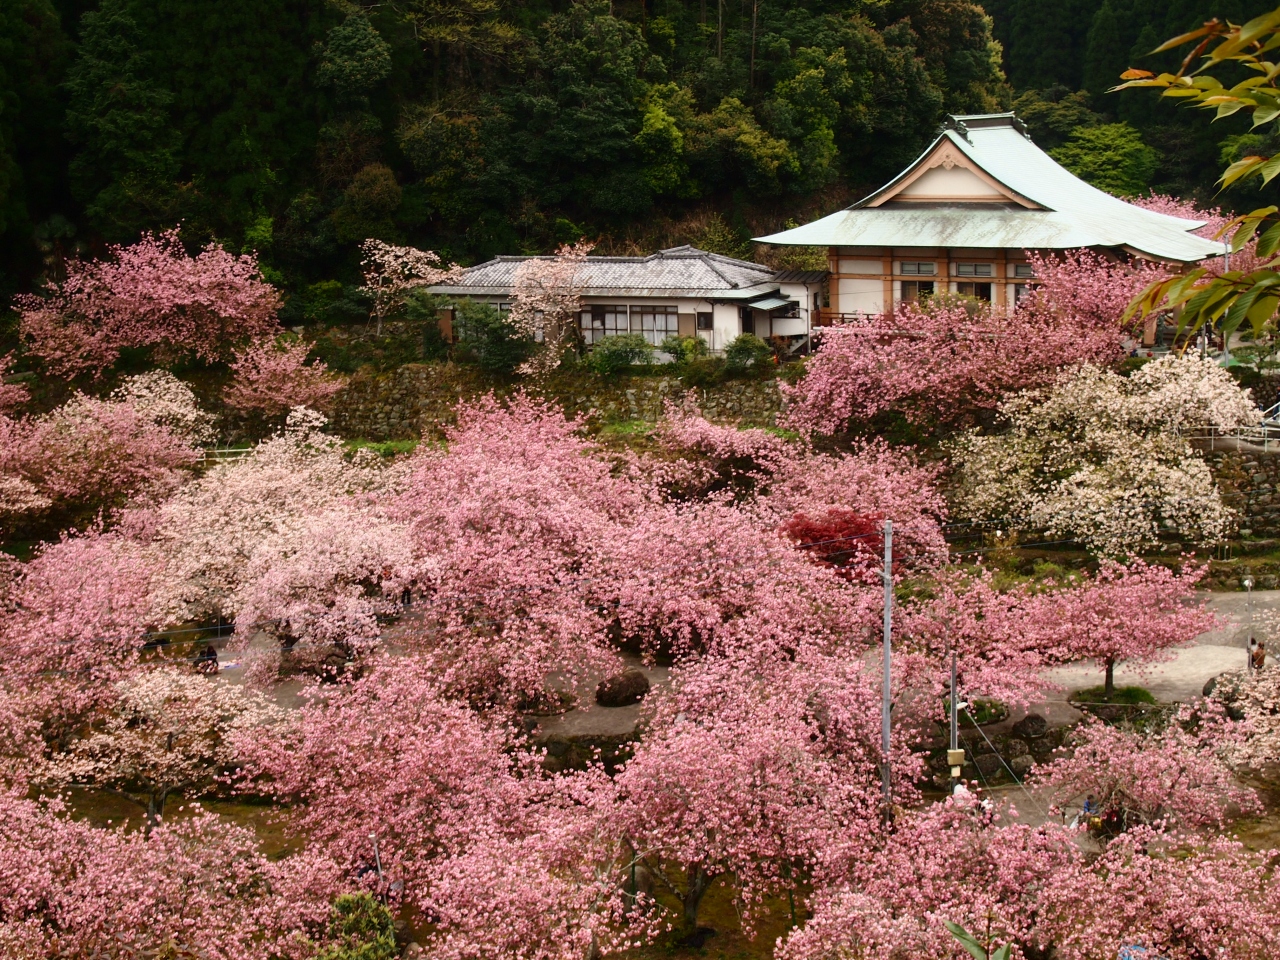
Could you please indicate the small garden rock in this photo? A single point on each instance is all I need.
(622, 689)
(1031, 726)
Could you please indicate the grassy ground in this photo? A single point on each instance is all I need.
(1124, 695)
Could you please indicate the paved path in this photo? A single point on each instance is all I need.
(1182, 677)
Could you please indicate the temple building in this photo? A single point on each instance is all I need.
(964, 217)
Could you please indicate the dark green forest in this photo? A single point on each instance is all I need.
(297, 128)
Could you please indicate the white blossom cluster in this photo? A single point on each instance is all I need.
(164, 399)
(1100, 457)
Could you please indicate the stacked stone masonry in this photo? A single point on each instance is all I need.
(1250, 484)
(417, 399)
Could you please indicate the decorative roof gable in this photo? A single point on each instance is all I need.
(983, 184)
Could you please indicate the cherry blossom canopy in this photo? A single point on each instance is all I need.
(984, 184)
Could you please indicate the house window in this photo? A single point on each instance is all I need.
(748, 318)
(975, 270)
(655, 323)
(1020, 291)
(914, 290)
(603, 320)
(916, 268)
(979, 291)
(705, 321)
(1024, 270)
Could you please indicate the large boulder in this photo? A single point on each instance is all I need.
(1022, 765)
(1031, 727)
(622, 689)
(988, 765)
(1016, 748)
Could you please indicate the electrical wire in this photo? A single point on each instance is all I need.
(1043, 812)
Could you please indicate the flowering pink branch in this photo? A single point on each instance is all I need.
(150, 294)
(271, 377)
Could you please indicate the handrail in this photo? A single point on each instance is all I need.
(218, 454)
(1265, 436)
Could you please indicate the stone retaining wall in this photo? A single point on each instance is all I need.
(417, 399)
(1250, 484)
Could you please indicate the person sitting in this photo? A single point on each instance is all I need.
(1090, 807)
(1257, 655)
(207, 660)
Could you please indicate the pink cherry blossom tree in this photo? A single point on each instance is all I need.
(762, 768)
(573, 896)
(1135, 613)
(939, 363)
(388, 757)
(547, 295)
(271, 377)
(90, 455)
(71, 625)
(196, 887)
(503, 521)
(167, 731)
(391, 273)
(1083, 289)
(151, 294)
(949, 862)
(1177, 777)
(1209, 898)
(11, 394)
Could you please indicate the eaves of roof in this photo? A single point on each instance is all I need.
(648, 293)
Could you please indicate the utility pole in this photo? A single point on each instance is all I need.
(888, 655)
(955, 756)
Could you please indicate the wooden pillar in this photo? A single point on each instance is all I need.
(886, 265)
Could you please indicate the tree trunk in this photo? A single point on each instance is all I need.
(155, 810)
(1109, 687)
(699, 883)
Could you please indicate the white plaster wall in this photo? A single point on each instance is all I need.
(860, 296)
(956, 182)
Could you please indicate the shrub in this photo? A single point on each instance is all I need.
(684, 349)
(747, 350)
(613, 355)
(486, 339)
(361, 928)
(703, 372)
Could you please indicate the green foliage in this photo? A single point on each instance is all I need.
(746, 351)
(614, 355)
(295, 128)
(627, 428)
(683, 349)
(1227, 300)
(1126, 695)
(355, 60)
(1130, 364)
(975, 947)
(485, 338)
(1053, 115)
(704, 372)
(383, 448)
(1111, 156)
(361, 928)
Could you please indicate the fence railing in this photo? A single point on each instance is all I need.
(1260, 439)
(212, 455)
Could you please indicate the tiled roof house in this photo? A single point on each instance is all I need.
(681, 290)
